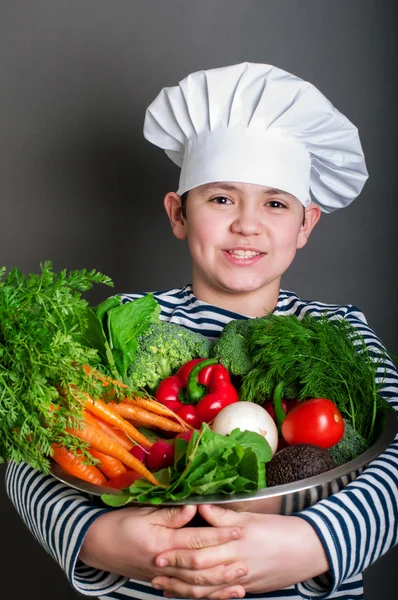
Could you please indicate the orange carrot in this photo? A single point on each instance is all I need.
(146, 418)
(90, 419)
(75, 465)
(110, 466)
(100, 441)
(113, 433)
(105, 412)
(155, 407)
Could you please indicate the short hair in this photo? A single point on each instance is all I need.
(184, 198)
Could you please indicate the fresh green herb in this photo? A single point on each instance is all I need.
(43, 318)
(209, 463)
(315, 357)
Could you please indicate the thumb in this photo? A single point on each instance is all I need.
(174, 517)
(219, 516)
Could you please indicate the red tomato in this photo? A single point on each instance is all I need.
(188, 413)
(161, 455)
(316, 421)
(124, 480)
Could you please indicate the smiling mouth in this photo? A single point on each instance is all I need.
(245, 254)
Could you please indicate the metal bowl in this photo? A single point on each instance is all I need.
(281, 499)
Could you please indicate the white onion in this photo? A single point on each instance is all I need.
(247, 416)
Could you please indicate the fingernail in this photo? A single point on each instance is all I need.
(157, 586)
(240, 573)
(236, 534)
(162, 562)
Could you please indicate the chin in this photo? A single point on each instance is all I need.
(243, 287)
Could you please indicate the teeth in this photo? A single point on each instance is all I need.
(243, 253)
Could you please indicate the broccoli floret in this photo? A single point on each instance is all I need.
(231, 346)
(351, 445)
(161, 350)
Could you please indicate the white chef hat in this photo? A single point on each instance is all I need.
(255, 123)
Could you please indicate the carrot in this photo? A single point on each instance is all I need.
(75, 465)
(100, 441)
(113, 433)
(155, 407)
(110, 466)
(146, 418)
(105, 412)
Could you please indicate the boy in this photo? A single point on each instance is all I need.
(261, 154)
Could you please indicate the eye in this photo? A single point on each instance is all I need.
(221, 200)
(276, 204)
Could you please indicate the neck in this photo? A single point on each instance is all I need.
(251, 304)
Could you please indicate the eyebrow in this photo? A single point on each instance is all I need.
(231, 188)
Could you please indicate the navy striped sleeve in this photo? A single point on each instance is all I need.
(359, 524)
(58, 517)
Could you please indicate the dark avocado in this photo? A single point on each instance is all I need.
(297, 462)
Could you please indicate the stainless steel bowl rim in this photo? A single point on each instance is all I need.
(357, 464)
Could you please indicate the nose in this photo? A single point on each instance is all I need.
(247, 222)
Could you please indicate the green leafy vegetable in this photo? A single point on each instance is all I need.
(315, 357)
(125, 324)
(351, 445)
(209, 463)
(114, 329)
(43, 319)
(232, 346)
(162, 349)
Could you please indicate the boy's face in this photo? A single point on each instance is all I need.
(242, 237)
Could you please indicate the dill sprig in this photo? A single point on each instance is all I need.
(42, 320)
(315, 357)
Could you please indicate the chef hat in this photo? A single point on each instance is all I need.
(255, 123)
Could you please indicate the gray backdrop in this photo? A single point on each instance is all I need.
(81, 187)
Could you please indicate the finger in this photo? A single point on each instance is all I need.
(219, 575)
(228, 592)
(175, 588)
(197, 559)
(219, 516)
(197, 538)
(174, 517)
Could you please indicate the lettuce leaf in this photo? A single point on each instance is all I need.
(209, 463)
(113, 329)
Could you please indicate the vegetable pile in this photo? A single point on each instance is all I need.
(198, 391)
(315, 358)
(208, 463)
(42, 318)
(119, 398)
(161, 350)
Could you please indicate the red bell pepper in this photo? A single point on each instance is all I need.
(198, 391)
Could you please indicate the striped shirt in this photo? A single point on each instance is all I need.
(356, 525)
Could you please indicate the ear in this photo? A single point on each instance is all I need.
(172, 205)
(312, 215)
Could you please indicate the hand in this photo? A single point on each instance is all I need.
(276, 552)
(126, 541)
